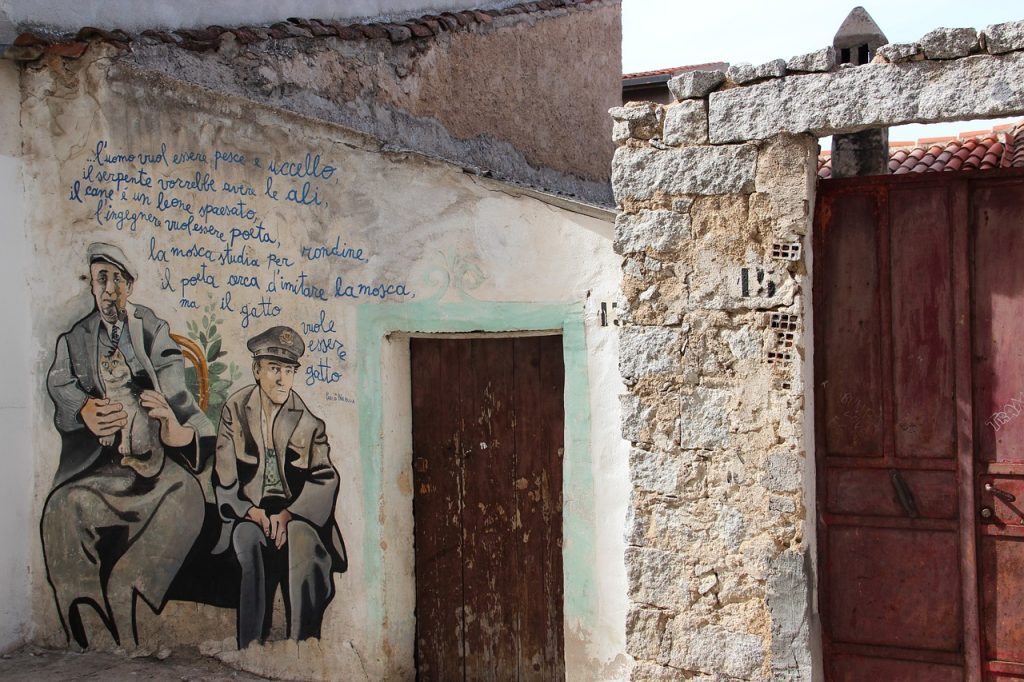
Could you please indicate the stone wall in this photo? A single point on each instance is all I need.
(715, 194)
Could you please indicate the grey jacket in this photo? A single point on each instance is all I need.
(304, 465)
(74, 378)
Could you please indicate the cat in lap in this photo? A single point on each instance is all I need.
(140, 446)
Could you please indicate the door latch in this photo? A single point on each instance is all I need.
(1001, 494)
(906, 497)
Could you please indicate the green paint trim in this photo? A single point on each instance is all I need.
(373, 323)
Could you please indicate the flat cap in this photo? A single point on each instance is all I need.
(108, 253)
(278, 343)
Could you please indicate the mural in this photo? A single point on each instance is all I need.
(127, 509)
(277, 488)
(124, 510)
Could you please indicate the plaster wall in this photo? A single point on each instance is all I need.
(428, 246)
(405, 92)
(131, 16)
(16, 526)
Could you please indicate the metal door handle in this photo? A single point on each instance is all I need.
(1001, 494)
(906, 497)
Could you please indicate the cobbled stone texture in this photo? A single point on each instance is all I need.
(817, 61)
(695, 84)
(746, 73)
(686, 123)
(1006, 37)
(949, 43)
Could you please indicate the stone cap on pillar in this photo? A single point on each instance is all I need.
(857, 38)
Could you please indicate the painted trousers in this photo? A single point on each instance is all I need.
(302, 568)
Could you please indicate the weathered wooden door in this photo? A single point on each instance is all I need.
(919, 301)
(487, 460)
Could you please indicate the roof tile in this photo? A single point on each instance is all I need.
(1001, 147)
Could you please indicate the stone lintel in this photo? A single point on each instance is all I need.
(870, 96)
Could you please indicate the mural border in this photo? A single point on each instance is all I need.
(374, 322)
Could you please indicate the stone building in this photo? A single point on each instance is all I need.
(821, 375)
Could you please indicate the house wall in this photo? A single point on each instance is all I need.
(399, 86)
(133, 16)
(715, 193)
(16, 376)
(430, 248)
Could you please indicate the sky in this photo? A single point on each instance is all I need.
(658, 34)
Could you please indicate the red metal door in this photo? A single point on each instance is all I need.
(487, 459)
(997, 220)
(891, 588)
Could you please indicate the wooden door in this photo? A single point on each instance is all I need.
(919, 301)
(487, 473)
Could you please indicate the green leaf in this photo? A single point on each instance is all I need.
(206, 321)
(220, 386)
(217, 368)
(202, 339)
(212, 332)
(221, 354)
(214, 351)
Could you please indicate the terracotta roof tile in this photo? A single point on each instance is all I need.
(31, 45)
(1001, 147)
(675, 70)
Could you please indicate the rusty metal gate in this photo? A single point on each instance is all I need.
(488, 430)
(919, 392)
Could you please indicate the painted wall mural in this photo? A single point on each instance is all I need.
(173, 482)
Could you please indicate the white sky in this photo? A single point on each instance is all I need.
(658, 34)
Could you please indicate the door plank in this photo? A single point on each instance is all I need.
(491, 556)
(539, 434)
(437, 509)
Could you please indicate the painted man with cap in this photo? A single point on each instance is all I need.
(276, 484)
(109, 534)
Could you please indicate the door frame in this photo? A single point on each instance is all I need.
(961, 264)
(385, 457)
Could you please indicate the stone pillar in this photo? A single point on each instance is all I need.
(712, 238)
(863, 153)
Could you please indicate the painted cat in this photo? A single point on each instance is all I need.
(140, 446)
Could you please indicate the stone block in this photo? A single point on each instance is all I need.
(636, 120)
(657, 577)
(748, 73)
(782, 472)
(789, 605)
(704, 418)
(1005, 37)
(949, 43)
(730, 527)
(652, 472)
(874, 95)
(695, 84)
(647, 635)
(817, 61)
(652, 420)
(715, 650)
(642, 173)
(900, 52)
(661, 232)
(686, 123)
(644, 351)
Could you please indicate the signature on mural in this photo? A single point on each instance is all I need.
(130, 507)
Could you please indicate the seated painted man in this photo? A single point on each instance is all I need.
(124, 510)
(276, 484)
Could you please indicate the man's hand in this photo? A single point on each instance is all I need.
(259, 517)
(103, 417)
(279, 527)
(172, 433)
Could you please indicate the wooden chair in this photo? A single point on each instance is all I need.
(194, 354)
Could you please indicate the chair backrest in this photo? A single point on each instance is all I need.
(194, 353)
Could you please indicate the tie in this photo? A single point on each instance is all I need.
(115, 337)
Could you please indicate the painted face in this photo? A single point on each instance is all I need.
(111, 288)
(275, 379)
